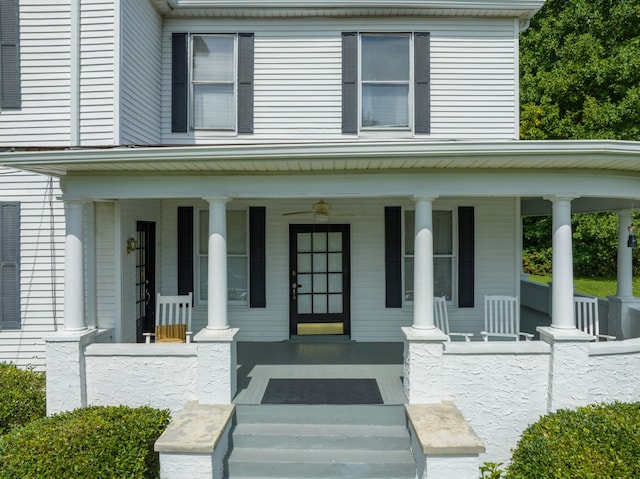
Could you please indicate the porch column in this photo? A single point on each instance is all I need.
(217, 287)
(423, 264)
(562, 315)
(74, 308)
(625, 260)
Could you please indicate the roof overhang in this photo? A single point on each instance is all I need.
(354, 156)
(522, 9)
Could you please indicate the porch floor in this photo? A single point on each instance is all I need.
(319, 357)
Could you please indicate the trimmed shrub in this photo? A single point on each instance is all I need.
(586, 443)
(22, 396)
(87, 443)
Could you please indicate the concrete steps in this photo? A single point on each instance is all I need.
(285, 441)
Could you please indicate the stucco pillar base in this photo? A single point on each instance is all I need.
(217, 361)
(624, 317)
(568, 371)
(423, 351)
(65, 370)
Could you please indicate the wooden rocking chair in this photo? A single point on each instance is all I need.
(586, 309)
(173, 319)
(441, 319)
(502, 318)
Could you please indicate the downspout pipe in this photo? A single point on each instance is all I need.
(74, 106)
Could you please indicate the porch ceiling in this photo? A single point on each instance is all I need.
(603, 155)
(523, 9)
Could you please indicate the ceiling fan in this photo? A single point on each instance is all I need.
(321, 210)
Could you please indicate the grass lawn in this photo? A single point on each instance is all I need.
(600, 287)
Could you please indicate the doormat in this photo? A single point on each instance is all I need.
(322, 391)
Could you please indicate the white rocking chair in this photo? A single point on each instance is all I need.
(502, 318)
(173, 319)
(586, 310)
(441, 319)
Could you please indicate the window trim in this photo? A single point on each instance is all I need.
(410, 83)
(192, 82)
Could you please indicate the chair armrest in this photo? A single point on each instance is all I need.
(527, 336)
(148, 337)
(607, 337)
(466, 336)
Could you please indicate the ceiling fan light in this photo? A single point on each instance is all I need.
(321, 217)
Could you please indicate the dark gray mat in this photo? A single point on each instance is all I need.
(322, 391)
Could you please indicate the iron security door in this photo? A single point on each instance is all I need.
(145, 251)
(319, 279)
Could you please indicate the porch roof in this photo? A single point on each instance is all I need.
(608, 155)
(523, 9)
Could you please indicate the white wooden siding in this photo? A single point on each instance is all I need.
(42, 232)
(140, 73)
(297, 89)
(105, 265)
(98, 78)
(370, 320)
(45, 77)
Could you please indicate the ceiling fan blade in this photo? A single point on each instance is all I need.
(298, 213)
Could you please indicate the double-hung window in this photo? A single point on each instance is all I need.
(385, 82)
(443, 254)
(385, 86)
(212, 82)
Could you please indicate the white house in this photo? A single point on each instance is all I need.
(312, 167)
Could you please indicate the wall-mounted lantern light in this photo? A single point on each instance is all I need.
(131, 245)
(632, 241)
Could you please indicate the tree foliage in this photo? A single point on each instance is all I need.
(580, 71)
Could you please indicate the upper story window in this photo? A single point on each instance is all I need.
(385, 82)
(9, 55)
(212, 82)
(385, 73)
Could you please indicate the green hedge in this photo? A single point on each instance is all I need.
(599, 441)
(22, 396)
(87, 443)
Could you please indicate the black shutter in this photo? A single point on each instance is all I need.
(179, 82)
(245, 83)
(9, 55)
(421, 90)
(9, 265)
(350, 82)
(257, 257)
(393, 256)
(466, 252)
(185, 249)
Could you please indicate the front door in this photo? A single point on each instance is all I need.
(319, 279)
(145, 250)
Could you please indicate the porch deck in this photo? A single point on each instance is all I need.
(319, 357)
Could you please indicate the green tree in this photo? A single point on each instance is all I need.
(580, 71)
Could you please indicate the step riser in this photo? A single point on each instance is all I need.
(324, 471)
(322, 442)
(378, 415)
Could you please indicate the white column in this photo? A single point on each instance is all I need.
(562, 315)
(625, 261)
(423, 265)
(217, 287)
(74, 310)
